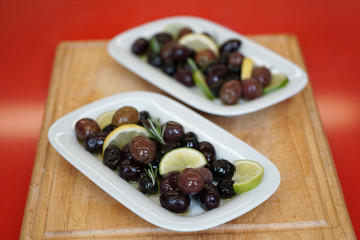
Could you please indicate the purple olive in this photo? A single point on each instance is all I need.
(190, 181)
(175, 201)
(209, 196)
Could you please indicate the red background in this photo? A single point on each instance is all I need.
(328, 33)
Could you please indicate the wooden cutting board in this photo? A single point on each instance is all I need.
(64, 204)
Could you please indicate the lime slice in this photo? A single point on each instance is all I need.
(181, 158)
(198, 42)
(248, 175)
(278, 81)
(247, 68)
(123, 135)
(105, 118)
(173, 29)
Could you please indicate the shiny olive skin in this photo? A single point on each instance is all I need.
(143, 118)
(181, 53)
(225, 188)
(94, 142)
(205, 174)
(184, 31)
(190, 140)
(251, 88)
(142, 149)
(125, 152)
(222, 169)
(167, 51)
(230, 45)
(235, 59)
(208, 150)
(155, 60)
(185, 77)
(262, 74)
(125, 115)
(169, 182)
(230, 92)
(109, 128)
(204, 57)
(140, 46)
(84, 127)
(173, 131)
(217, 69)
(169, 67)
(209, 197)
(112, 156)
(163, 38)
(130, 170)
(175, 201)
(190, 181)
(146, 184)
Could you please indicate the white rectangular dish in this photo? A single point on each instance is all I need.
(62, 137)
(120, 49)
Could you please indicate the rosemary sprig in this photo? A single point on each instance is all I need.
(150, 172)
(157, 131)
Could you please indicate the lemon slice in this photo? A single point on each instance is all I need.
(248, 175)
(105, 118)
(123, 135)
(181, 158)
(198, 42)
(278, 80)
(246, 68)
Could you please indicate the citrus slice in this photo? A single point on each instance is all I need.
(246, 68)
(278, 80)
(105, 118)
(181, 158)
(248, 175)
(198, 42)
(123, 135)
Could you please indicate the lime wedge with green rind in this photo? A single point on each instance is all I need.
(248, 175)
(278, 81)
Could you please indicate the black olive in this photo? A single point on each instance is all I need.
(108, 128)
(130, 170)
(185, 77)
(112, 156)
(190, 140)
(144, 115)
(230, 45)
(155, 60)
(169, 67)
(222, 169)
(209, 196)
(163, 38)
(94, 142)
(168, 146)
(140, 46)
(125, 152)
(169, 182)
(181, 53)
(146, 185)
(208, 150)
(225, 188)
(175, 201)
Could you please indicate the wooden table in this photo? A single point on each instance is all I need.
(64, 204)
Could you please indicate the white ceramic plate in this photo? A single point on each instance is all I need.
(120, 49)
(62, 136)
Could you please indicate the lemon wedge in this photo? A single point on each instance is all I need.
(198, 42)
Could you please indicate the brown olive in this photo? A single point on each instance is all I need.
(235, 59)
(167, 51)
(205, 174)
(142, 149)
(230, 92)
(251, 88)
(184, 31)
(185, 77)
(230, 45)
(190, 181)
(173, 131)
(263, 75)
(84, 127)
(125, 115)
(204, 57)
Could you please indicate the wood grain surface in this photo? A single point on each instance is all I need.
(64, 204)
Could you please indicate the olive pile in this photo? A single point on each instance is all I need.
(222, 72)
(139, 160)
